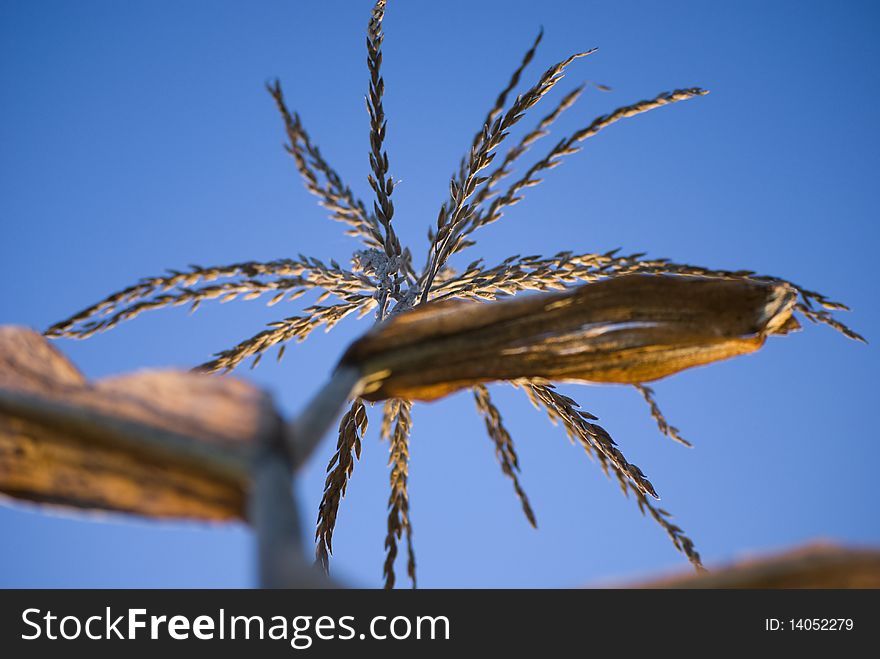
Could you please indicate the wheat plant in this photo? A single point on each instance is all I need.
(383, 280)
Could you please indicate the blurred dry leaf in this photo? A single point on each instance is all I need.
(156, 443)
(175, 444)
(818, 565)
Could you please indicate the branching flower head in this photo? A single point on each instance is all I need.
(383, 280)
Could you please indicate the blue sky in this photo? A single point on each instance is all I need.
(137, 136)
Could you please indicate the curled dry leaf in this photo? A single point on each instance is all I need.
(172, 444)
(628, 330)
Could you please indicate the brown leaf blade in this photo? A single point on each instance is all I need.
(630, 330)
(813, 565)
(159, 444)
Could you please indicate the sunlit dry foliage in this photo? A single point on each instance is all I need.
(383, 279)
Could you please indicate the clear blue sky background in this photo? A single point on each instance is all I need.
(137, 136)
